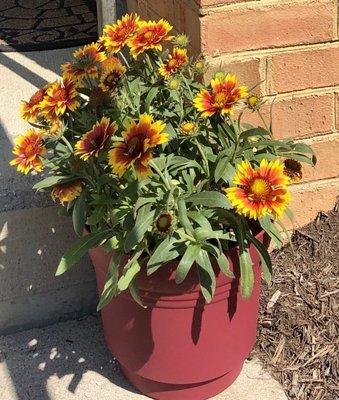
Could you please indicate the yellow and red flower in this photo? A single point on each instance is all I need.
(61, 96)
(93, 141)
(112, 71)
(149, 36)
(87, 61)
(260, 191)
(117, 35)
(139, 139)
(28, 149)
(224, 95)
(67, 192)
(177, 59)
(30, 110)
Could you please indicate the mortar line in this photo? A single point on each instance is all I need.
(316, 137)
(209, 10)
(296, 94)
(272, 51)
(323, 182)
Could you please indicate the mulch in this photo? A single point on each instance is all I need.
(27, 25)
(299, 322)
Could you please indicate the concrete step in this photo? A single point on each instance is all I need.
(69, 361)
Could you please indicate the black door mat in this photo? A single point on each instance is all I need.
(27, 25)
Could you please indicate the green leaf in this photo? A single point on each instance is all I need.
(51, 181)
(271, 230)
(200, 219)
(266, 263)
(220, 168)
(111, 284)
(128, 276)
(227, 173)
(253, 132)
(111, 244)
(142, 223)
(96, 215)
(73, 255)
(186, 262)
(166, 251)
(206, 275)
(150, 97)
(210, 199)
(224, 265)
(182, 215)
(300, 157)
(134, 290)
(246, 271)
(79, 214)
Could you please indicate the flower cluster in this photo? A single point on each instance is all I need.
(148, 156)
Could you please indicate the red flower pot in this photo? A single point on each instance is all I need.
(179, 347)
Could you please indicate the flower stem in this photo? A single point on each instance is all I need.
(162, 176)
(204, 158)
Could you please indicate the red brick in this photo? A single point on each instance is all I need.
(303, 116)
(326, 149)
(248, 72)
(308, 200)
(258, 26)
(305, 69)
(298, 117)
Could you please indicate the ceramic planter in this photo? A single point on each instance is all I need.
(179, 347)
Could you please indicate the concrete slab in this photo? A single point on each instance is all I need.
(32, 236)
(69, 361)
(32, 242)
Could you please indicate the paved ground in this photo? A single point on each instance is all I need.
(69, 361)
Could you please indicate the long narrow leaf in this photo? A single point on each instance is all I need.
(186, 262)
(266, 263)
(73, 255)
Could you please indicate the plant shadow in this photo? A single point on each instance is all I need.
(66, 357)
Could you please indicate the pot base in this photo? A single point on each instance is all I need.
(195, 391)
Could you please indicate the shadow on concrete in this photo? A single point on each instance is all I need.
(27, 74)
(47, 363)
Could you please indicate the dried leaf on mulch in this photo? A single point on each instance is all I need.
(299, 322)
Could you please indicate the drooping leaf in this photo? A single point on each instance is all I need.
(111, 283)
(206, 275)
(186, 262)
(269, 227)
(73, 254)
(51, 181)
(134, 290)
(266, 263)
(128, 275)
(247, 274)
(80, 213)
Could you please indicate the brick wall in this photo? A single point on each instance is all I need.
(292, 46)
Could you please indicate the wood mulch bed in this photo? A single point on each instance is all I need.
(299, 322)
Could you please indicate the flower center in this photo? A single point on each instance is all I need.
(148, 35)
(30, 150)
(135, 146)
(260, 188)
(220, 98)
(172, 63)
